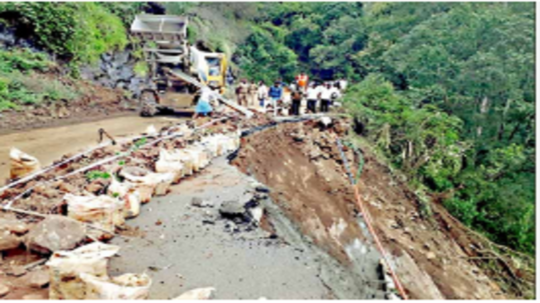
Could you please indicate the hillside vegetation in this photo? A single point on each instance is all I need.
(444, 90)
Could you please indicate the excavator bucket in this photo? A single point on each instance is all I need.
(160, 28)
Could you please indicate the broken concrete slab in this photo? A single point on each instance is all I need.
(55, 233)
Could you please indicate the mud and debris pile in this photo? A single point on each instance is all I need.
(299, 167)
(302, 165)
(71, 205)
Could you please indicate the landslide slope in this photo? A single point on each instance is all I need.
(303, 168)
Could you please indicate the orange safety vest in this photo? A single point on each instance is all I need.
(302, 80)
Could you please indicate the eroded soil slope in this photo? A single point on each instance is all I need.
(94, 102)
(302, 166)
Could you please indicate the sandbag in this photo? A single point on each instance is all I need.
(163, 182)
(187, 160)
(166, 164)
(129, 195)
(22, 164)
(145, 189)
(151, 130)
(124, 287)
(197, 294)
(212, 145)
(103, 211)
(200, 155)
(65, 268)
(151, 184)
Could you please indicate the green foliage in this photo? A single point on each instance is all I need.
(21, 85)
(264, 51)
(140, 69)
(446, 92)
(23, 60)
(80, 31)
(139, 143)
(97, 174)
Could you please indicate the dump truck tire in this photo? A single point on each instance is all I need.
(148, 104)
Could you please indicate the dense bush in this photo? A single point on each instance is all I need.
(21, 85)
(80, 31)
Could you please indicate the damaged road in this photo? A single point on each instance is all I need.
(281, 224)
(184, 244)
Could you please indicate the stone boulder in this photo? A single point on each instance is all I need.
(8, 240)
(55, 233)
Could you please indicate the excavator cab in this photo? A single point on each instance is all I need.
(210, 68)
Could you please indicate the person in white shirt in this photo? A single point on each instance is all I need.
(312, 94)
(262, 93)
(326, 97)
(203, 105)
(335, 93)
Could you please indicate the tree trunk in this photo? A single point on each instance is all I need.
(483, 110)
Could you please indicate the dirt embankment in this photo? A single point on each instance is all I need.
(303, 168)
(95, 102)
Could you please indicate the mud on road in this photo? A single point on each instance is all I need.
(49, 144)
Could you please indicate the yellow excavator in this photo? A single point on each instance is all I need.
(167, 52)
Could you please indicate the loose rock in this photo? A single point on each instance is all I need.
(55, 233)
(17, 271)
(232, 208)
(197, 294)
(39, 279)
(198, 202)
(34, 297)
(13, 225)
(8, 240)
(4, 290)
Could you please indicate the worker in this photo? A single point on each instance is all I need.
(326, 96)
(302, 81)
(252, 94)
(229, 76)
(296, 98)
(242, 92)
(262, 93)
(203, 105)
(311, 96)
(275, 94)
(335, 93)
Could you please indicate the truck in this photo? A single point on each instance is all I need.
(164, 42)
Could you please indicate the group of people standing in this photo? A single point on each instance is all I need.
(319, 96)
(301, 89)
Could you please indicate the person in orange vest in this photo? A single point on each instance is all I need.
(302, 81)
